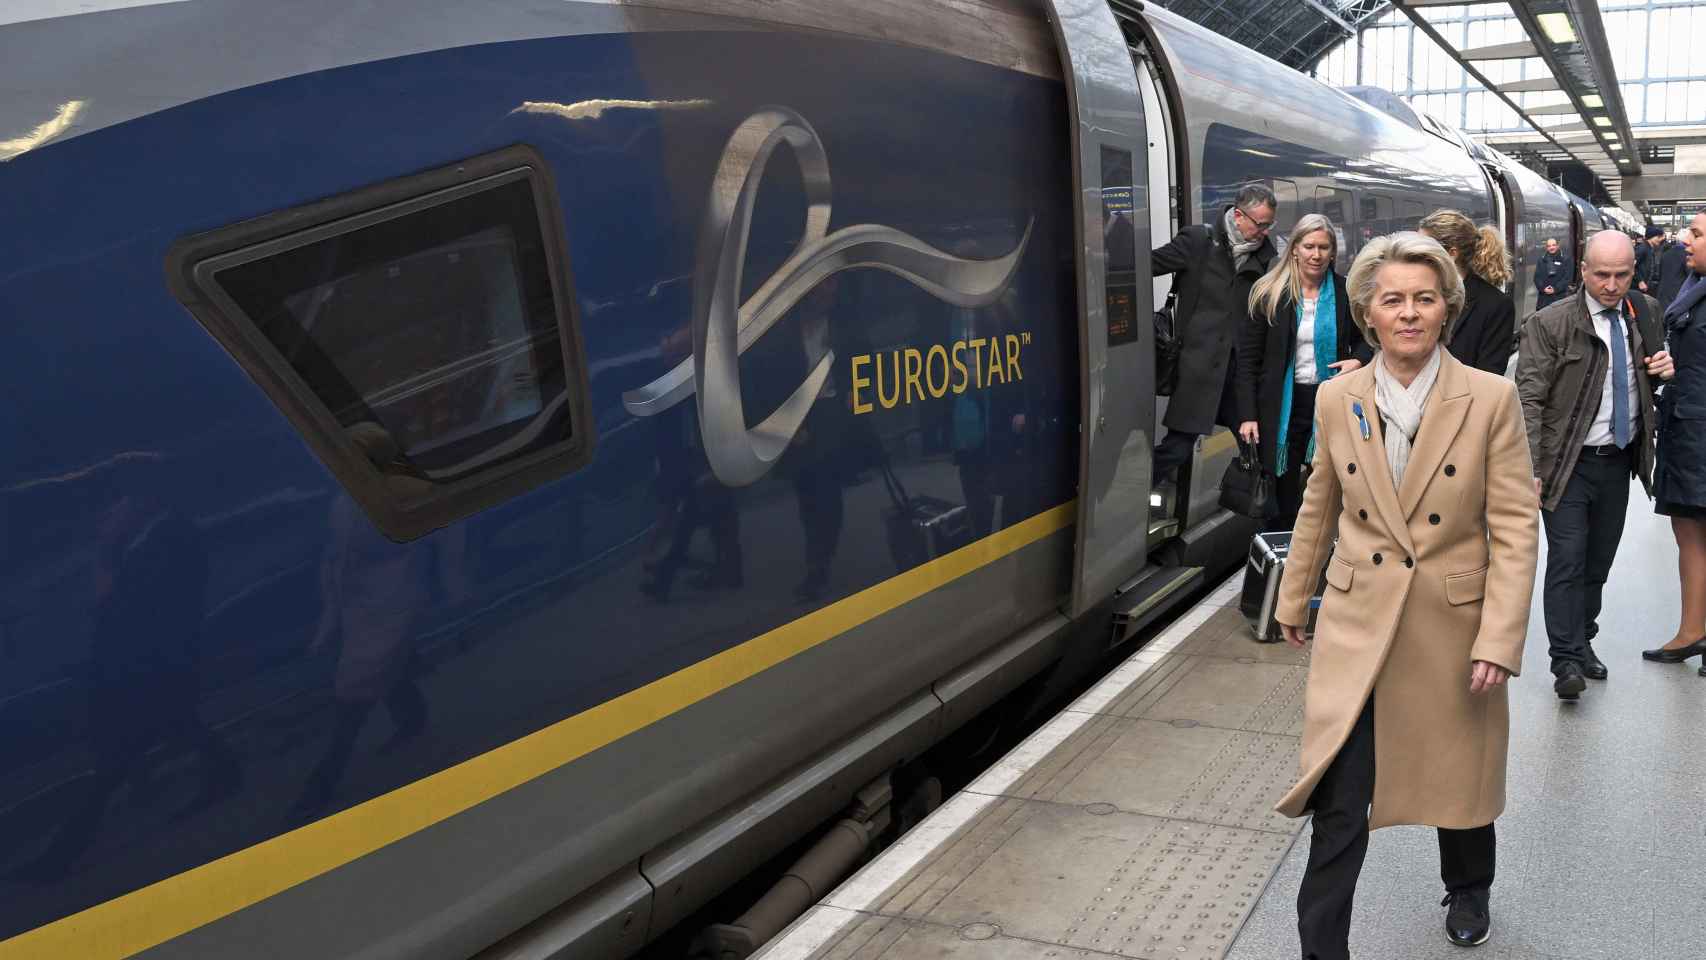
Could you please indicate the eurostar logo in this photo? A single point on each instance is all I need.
(724, 328)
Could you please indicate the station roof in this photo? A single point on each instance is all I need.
(1294, 32)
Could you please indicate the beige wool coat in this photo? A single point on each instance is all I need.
(1423, 581)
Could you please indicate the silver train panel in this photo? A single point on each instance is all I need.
(1116, 375)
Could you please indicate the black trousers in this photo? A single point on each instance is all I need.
(1341, 801)
(1288, 488)
(1176, 447)
(1582, 534)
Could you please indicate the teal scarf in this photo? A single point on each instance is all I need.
(1326, 352)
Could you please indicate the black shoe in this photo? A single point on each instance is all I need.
(1469, 922)
(1661, 655)
(1569, 683)
(1592, 668)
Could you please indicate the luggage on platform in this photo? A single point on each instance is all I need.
(922, 528)
(1262, 573)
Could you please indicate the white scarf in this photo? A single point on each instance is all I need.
(1401, 409)
(1242, 249)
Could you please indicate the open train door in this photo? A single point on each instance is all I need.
(1116, 369)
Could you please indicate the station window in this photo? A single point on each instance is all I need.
(420, 334)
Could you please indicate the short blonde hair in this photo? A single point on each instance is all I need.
(1405, 247)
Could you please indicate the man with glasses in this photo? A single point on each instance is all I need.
(1215, 264)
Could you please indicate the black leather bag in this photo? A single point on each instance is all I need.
(1247, 488)
(1166, 348)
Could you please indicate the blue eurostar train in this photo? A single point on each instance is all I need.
(481, 478)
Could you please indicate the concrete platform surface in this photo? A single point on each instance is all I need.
(1138, 823)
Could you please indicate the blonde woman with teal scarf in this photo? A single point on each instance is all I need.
(1297, 335)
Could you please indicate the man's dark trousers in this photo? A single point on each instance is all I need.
(1467, 858)
(1176, 448)
(1582, 534)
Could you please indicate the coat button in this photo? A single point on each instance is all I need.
(1351, 467)
(1409, 562)
(1433, 518)
(1378, 559)
(1363, 514)
(1450, 470)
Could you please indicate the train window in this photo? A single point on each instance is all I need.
(1409, 215)
(1287, 216)
(419, 333)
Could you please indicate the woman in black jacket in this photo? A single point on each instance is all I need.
(1679, 480)
(1485, 333)
(1297, 334)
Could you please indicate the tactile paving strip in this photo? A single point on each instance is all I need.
(1183, 892)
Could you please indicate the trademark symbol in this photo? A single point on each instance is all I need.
(1025, 337)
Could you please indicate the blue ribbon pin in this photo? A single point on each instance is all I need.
(1362, 421)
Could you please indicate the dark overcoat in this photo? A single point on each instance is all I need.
(1680, 476)
(1554, 270)
(1485, 333)
(1209, 314)
(1424, 579)
(1673, 269)
(1265, 348)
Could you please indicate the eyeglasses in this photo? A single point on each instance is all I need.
(1263, 225)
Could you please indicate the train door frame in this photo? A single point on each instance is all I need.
(1116, 338)
(1167, 170)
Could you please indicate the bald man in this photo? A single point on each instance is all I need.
(1588, 367)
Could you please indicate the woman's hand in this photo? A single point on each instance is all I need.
(1293, 635)
(1485, 676)
(1346, 366)
(1250, 431)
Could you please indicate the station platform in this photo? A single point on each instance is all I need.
(1138, 822)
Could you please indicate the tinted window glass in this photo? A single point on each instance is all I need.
(419, 333)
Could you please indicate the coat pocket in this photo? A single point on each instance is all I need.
(1461, 588)
(1340, 574)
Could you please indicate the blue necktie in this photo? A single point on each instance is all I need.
(1619, 382)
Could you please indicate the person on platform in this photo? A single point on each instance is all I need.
(1679, 479)
(1422, 474)
(1647, 260)
(1552, 275)
(1586, 371)
(1216, 264)
(1674, 266)
(1484, 335)
(1298, 335)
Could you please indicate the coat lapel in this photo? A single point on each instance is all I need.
(1443, 418)
(1371, 453)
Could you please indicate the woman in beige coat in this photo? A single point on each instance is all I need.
(1422, 473)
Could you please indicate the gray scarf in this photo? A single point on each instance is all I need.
(1241, 248)
(1401, 408)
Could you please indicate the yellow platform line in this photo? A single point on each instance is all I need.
(154, 914)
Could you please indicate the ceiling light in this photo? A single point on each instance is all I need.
(1557, 27)
(1593, 100)
(1602, 121)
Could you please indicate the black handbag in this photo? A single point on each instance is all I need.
(1166, 348)
(1247, 488)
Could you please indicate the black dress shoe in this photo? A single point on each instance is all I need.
(1661, 655)
(1569, 682)
(1469, 922)
(1592, 668)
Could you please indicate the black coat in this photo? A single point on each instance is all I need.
(1209, 313)
(1485, 334)
(1554, 270)
(1673, 269)
(1680, 476)
(1264, 350)
(1646, 268)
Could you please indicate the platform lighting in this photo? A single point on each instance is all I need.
(1557, 27)
(1593, 100)
(1602, 121)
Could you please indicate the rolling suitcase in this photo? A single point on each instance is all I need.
(1262, 573)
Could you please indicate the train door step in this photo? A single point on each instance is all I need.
(1141, 601)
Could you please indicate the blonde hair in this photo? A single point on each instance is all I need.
(1283, 277)
(1406, 247)
(1481, 250)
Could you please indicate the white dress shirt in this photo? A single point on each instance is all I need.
(1303, 369)
(1599, 431)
